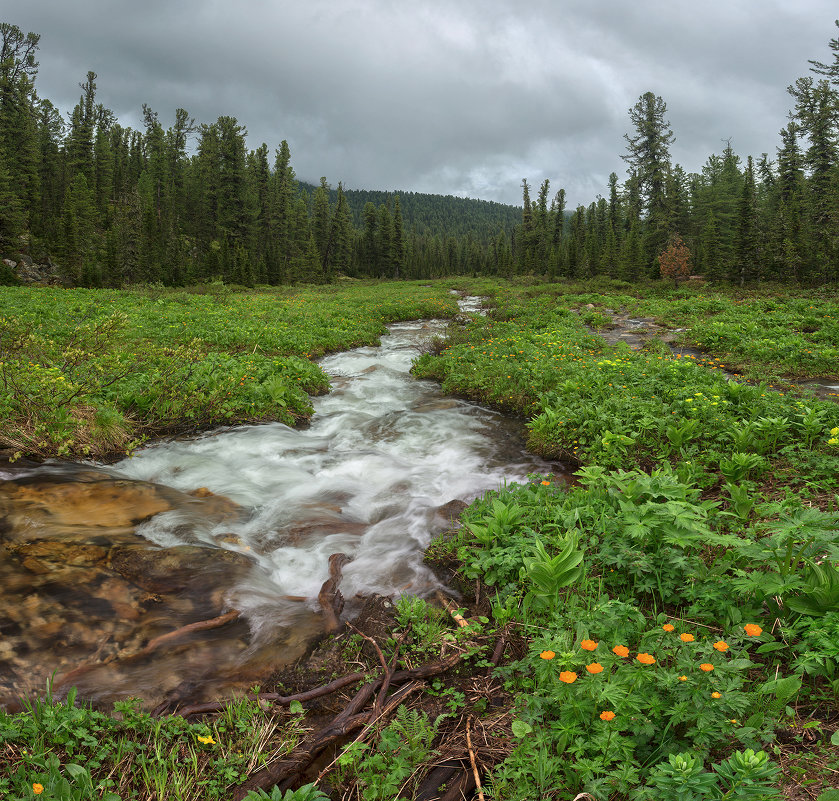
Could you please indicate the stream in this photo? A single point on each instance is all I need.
(242, 518)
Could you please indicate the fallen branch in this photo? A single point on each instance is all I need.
(347, 721)
(452, 610)
(152, 645)
(388, 677)
(201, 625)
(398, 677)
(460, 788)
(437, 777)
(276, 698)
(397, 698)
(473, 762)
(498, 651)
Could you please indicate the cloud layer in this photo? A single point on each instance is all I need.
(463, 97)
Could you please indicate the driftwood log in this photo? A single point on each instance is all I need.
(330, 598)
(288, 770)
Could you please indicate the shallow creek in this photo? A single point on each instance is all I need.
(243, 518)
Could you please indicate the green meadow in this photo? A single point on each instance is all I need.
(670, 614)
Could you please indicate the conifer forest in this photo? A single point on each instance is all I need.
(182, 201)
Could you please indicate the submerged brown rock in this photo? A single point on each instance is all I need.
(83, 592)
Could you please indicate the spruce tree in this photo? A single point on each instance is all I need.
(747, 248)
(648, 157)
(398, 241)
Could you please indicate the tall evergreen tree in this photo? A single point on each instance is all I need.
(648, 157)
(398, 241)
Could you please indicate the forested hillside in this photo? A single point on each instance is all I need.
(185, 201)
(435, 215)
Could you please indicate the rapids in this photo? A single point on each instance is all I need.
(383, 466)
(383, 453)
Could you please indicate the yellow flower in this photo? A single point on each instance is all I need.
(37, 788)
(686, 637)
(206, 740)
(547, 655)
(753, 630)
(568, 676)
(716, 695)
(683, 678)
(588, 645)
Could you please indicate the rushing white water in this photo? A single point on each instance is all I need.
(382, 454)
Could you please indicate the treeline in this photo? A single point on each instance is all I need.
(765, 219)
(190, 202)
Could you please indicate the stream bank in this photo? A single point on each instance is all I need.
(99, 562)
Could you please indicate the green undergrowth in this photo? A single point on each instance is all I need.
(671, 616)
(64, 751)
(593, 404)
(95, 372)
(666, 635)
(767, 333)
(678, 604)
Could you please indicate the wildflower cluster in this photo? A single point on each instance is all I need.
(661, 688)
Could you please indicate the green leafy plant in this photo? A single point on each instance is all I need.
(744, 776)
(386, 771)
(819, 591)
(308, 792)
(739, 465)
(546, 575)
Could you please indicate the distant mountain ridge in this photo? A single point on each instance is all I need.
(434, 215)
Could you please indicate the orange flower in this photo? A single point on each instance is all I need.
(547, 655)
(646, 659)
(683, 678)
(686, 637)
(37, 788)
(668, 627)
(594, 667)
(716, 695)
(607, 715)
(621, 650)
(546, 483)
(706, 666)
(753, 630)
(721, 646)
(588, 645)
(568, 676)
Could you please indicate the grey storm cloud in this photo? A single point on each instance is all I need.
(459, 97)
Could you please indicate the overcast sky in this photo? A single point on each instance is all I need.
(463, 97)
